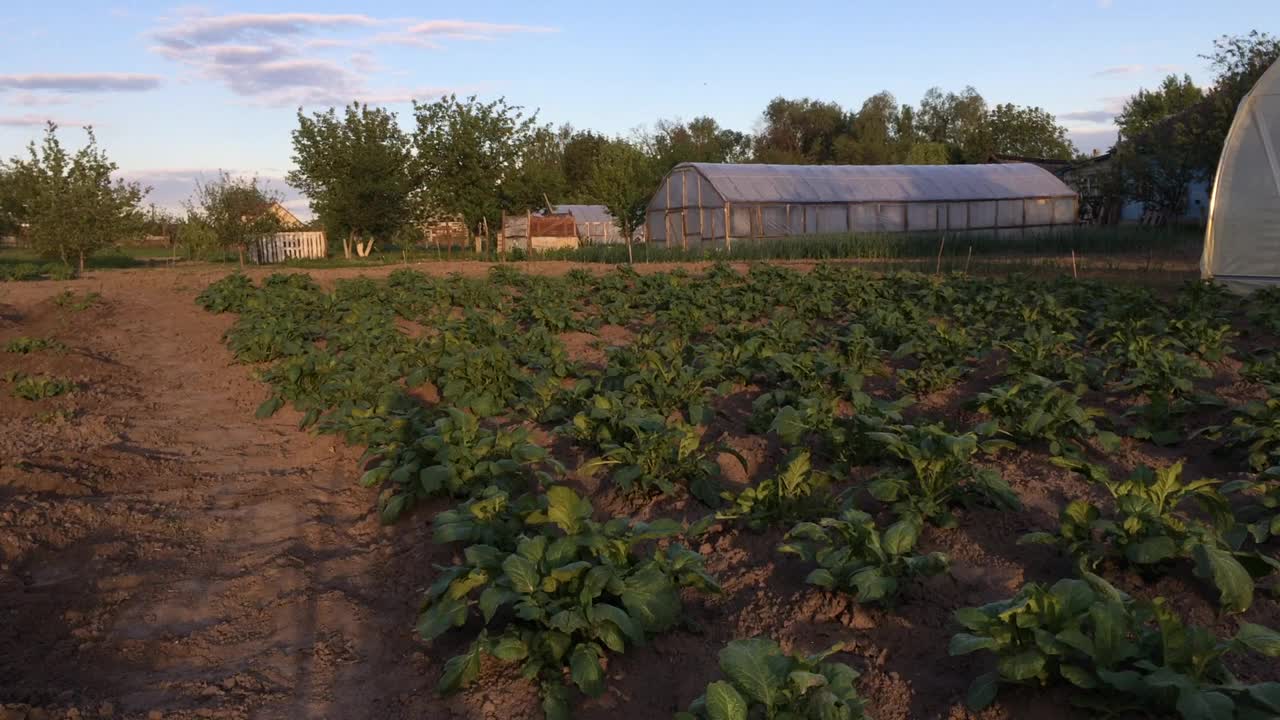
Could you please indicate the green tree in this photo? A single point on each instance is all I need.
(928, 153)
(1165, 144)
(540, 178)
(959, 121)
(356, 169)
(1029, 132)
(702, 139)
(800, 131)
(233, 211)
(623, 181)
(69, 200)
(870, 139)
(12, 215)
(468, 154)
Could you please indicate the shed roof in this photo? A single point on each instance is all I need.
(586, 213)
(879, 183)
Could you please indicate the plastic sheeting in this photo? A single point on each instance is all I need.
(1242, 241)
(800, 184)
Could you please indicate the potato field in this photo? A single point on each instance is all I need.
(819, 494)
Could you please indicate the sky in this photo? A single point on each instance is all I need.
(177, 92)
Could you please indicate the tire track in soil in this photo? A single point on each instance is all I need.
(200, 563)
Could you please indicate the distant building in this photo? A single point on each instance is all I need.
(287, 219)
(700, 203)
(596, 226)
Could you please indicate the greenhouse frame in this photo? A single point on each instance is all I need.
(699, 203)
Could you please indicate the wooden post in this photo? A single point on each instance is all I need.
(728, 241)
(1074, 274)
(943, 243)
(968, 258)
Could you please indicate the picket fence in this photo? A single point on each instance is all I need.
(282, 246)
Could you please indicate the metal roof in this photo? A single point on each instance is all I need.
(585, 213)
(879, 183)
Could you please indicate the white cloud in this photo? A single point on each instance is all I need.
(36, 120)
(1137, 70)
(281, 59)
(1089, 116)
(81, 82)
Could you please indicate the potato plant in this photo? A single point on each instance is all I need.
(1119, 655)
(561, 595)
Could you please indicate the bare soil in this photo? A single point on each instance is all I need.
(164, 554)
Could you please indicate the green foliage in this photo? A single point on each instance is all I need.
(855, 556)
(235, 211)
(796, 492)
(26, 345)
(1256, 428)
(1151, 525)
(764, 682)
(38, 387)
(70, 300)
(357, 170)
(939, 474)
(1035, 408)
(1118, 655)
(68, 200)
(561, 595)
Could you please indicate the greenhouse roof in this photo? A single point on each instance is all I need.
(879, 183)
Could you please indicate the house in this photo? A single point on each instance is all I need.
(1103, 202)
(287, 219)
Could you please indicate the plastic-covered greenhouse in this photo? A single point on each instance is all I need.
(708, 202)
(1242, 242)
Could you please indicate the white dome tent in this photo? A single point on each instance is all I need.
(1242, 241)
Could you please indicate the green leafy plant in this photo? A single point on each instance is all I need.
(939, 474)
(27, 345)
(567, 592)
(796, 491)
(1119, 655)
(1256, 428)
(1151, 526)
(764, 682)
(1037, 408)
(854, 556)
(70, 300)
(39, 387)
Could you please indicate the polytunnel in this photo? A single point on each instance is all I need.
(717, 202)
(1242, 241)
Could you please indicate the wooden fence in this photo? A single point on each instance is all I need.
(289, 246)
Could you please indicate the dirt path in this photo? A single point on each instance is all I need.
(165, 554)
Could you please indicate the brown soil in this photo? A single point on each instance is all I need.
(163, 554)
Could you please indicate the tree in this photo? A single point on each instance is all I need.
(1028, 132)
(540, 176)
(1165, 144)
(800, 131)
(928, 153)
(234, 211)
(957, 121)
(11, 209)
(623, 181)
(699, 140)
(1239, 62)
(357, 171)
(870, 139)
(69, 201)
(468, 153)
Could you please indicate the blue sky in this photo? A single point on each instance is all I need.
(176, 91)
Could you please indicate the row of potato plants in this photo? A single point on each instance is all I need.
(833, 360)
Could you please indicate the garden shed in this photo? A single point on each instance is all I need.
(1242, 240)
(715, 202)
(595, 225)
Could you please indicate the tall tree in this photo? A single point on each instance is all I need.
(702, 139)
(623, 181)
(69, 200)
(356, 169)
(232, 211)
(1163, 146)
(11, 209)
(581, 151)
(1029, 132)
(1239, 62)
(800, 131)
(467, 154)
(870, 139)
(959, 121)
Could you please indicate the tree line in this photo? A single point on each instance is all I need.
(371, 178)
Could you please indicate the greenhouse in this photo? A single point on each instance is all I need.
(722, 203)
(1242, 242)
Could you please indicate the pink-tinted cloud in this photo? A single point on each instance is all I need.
(81, 82)
(1137, 70)
(193, 31)
(36, 120)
